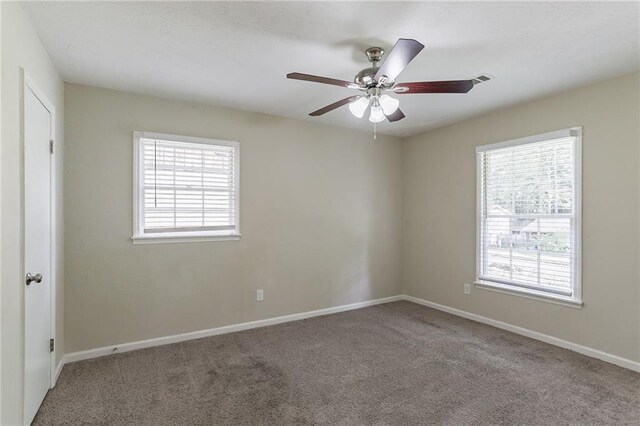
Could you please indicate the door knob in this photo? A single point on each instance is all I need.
(37, 278)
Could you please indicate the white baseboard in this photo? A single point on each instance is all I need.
(58, 371)
(584, 350)
(131, 346)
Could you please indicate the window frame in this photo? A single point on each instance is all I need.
(139, 236)
(575, 298)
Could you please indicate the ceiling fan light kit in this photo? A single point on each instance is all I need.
(379, 79)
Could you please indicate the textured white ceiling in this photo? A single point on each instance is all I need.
(236, 54)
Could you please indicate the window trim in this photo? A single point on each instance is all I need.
(575, 299)
(139, 237)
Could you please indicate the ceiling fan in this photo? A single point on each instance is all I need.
(379, 79)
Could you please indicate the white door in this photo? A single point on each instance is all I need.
(37, 250)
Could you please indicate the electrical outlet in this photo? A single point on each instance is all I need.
(467, 289)
(259, 295)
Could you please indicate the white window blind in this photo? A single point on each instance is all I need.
(186, 187)
(529, 214)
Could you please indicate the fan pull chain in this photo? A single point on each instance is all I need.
(374, 131)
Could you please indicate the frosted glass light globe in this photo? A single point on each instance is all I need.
(377, 115)
(358, 107)
(389, 105)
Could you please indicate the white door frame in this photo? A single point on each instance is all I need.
(28, 83)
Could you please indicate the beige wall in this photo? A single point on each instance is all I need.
(439, 215)
(21, 47)
(320, 218)
(320, 221)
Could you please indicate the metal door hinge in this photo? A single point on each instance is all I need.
(51, 146)
(51, 345)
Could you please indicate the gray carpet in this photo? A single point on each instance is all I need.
(398, 363)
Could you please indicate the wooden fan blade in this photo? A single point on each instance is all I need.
(396, 116)
(452, 86)
(318, 79)
(401, 54)
(335, 105)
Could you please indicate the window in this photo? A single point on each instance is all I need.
(529, 216)
(185, 189)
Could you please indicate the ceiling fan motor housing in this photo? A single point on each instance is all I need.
(366, 77)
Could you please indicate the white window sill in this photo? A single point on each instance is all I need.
(542, 296)
(164, 239)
